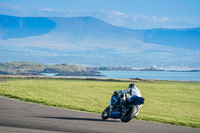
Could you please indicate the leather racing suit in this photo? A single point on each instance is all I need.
(131, 91)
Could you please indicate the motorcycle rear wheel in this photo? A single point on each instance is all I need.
(130, 114)
(105, 114)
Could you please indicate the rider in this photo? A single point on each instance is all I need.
(131, 91)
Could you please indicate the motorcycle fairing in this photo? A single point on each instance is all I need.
(135, 100)
(115, 114)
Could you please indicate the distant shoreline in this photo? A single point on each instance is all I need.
(154, 68)
(8, 77)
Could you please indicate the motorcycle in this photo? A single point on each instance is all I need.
(125, 110)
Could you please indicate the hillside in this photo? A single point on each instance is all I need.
(19, 27)
(90, 41)
(182, 38)
(28, 68)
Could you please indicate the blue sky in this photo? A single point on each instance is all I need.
(134, 14)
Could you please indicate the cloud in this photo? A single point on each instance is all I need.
(114, 17)
(150, 18)
(117, 13)
(11, 7)
(132, 21)
(163, 19)
(15, 10)
(48, 9)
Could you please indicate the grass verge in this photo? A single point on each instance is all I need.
(174, 103)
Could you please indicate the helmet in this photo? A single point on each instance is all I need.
(131, 85)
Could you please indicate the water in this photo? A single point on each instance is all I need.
(162, 75)
(49, 74)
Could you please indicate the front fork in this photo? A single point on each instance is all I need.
(111, 108)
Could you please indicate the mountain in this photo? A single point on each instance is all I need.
(18, 27)
(90, 41)
(182, 38)
(28, 68)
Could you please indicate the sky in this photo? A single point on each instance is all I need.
(133, 14)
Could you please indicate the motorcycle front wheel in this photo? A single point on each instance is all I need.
(105, 114)
(129, 115)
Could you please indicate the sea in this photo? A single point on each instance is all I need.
(158, 75)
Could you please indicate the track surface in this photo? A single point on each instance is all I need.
(16, 116)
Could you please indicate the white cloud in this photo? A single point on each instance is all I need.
(117, 18)
(117, 13)
(15, 10)
(11, 7)
(131, 21)
(152, 19)
(48, 9)
(113, 17)
(156, 19)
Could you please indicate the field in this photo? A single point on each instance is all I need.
(174, 103)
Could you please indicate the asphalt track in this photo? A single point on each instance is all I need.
(18, 117)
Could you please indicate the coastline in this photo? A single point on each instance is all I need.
(12, 77)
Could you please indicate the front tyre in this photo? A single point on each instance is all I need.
(129, 115)
(105, 114)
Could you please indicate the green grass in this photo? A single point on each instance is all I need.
(167, 102)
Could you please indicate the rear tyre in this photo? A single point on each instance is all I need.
(105, 114)
(130, 114)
